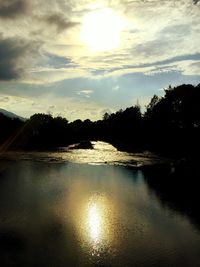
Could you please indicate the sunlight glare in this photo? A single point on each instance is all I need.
(101, 30)
(95, 225)
(94, 220)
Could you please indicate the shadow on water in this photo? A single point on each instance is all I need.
(177, 188)
(30, 233)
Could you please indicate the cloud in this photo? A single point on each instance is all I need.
(54, 61)
(188, 57)
(41, 54)
(12, 8)
(60, 22)
(116, 88)
(4, 99)
(166, 42)
(14, 53)
(162, 65)
(51, 107)
(10, 52)
(63, 56)
(176, 30)
(52, 75)
(86, 93)
(191, 68)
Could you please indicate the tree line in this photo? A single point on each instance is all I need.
(170, 125)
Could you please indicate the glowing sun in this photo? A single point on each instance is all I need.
(101, 30)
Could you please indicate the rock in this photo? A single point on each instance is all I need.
(83, 145)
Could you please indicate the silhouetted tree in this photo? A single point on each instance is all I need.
(170, 124)
(122, 128)
(173, 121)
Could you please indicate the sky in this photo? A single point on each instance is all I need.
(80, 59)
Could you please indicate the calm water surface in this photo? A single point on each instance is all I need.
(65, 213)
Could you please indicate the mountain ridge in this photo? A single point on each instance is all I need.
(11, 114)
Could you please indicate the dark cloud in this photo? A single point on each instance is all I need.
(57, 62)
(13, 52)
(188, 57)
(172, 60)
(12, 8)
(9, 54)
(60, 22)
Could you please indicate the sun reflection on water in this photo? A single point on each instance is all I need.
(94, 222)
(95, 227)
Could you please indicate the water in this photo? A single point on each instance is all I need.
(58, 212)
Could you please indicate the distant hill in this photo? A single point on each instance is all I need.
(11, 115)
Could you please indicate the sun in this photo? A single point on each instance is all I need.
(101, 30)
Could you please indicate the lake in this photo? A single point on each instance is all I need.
(89, 208)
